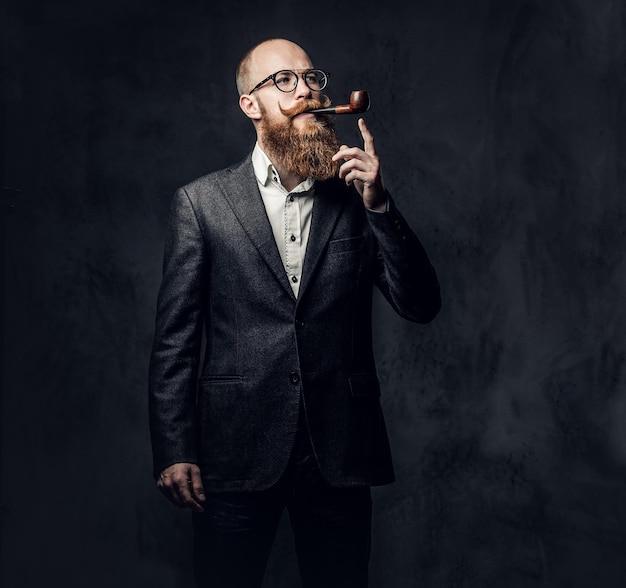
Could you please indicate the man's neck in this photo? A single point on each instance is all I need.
(289, 181)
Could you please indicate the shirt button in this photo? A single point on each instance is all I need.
(294, 377)
(293, 237)
(290, 198)
(294, 279)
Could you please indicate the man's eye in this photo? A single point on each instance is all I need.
(283, 80)
(312, 79)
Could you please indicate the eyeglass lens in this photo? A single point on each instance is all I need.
(287, 80)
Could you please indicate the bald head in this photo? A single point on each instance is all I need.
(267, 58)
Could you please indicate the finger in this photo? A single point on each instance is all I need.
(341, 153)
(356, 153)
(196, 485)
(351, 178)
(368, 140)
(347, 173)
(368, 169)
(347, 167)
(177, 485)
(166, 486)
(349, 153)
(183, 489)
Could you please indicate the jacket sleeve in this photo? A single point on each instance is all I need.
(404, 273)
(178, 338)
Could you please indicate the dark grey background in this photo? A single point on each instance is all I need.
(501, 128)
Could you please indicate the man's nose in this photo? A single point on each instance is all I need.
(302, 90)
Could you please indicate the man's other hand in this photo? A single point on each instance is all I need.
(182, 484)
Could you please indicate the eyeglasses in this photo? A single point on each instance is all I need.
(287, 80)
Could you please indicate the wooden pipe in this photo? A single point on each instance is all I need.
(359, 102)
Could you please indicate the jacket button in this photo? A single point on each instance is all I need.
(294, 377)
(300, 324)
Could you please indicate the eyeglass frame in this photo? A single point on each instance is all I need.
(303, 74)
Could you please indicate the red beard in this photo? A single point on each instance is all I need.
(306, 151)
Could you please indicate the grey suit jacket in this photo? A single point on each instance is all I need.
(234, 411)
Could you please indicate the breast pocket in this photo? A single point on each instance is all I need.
(343, 267)
(346, 245)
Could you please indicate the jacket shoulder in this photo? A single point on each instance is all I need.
(211, 181)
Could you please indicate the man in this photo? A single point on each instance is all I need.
(275, 259)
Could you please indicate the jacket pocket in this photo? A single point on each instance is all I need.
(364, 385)
(345, 245)
(221, 379)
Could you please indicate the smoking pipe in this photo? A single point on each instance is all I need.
(359, 102)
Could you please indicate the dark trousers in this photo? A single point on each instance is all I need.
(331, 526)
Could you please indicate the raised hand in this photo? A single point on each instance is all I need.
(361, 167)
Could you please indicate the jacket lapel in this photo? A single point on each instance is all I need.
(241, 190)
(328, 205)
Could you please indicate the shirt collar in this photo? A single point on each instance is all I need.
(265, 171)
(262, 165)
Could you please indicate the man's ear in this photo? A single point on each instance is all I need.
(250, 106)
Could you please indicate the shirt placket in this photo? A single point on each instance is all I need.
(292, 241)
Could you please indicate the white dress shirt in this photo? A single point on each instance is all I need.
(289, 214)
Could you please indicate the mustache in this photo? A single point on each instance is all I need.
(304, 105)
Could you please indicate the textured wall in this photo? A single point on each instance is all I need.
(500, 124)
